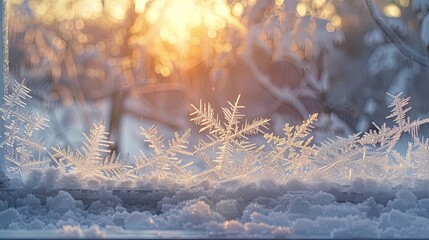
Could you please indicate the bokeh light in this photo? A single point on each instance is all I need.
(323, 9)
(392, 10)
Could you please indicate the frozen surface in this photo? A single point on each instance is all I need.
(233, 209)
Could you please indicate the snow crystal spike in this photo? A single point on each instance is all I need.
(23, 151)
(371, 155)
(90, 161)
(292, 156)
(163, 163)
(389, 136)
(226, 140)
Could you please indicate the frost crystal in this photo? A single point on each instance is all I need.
(23, 149)
(373, 155)
(236, 156)
(292, 156)
(91, 160)
(230, 153)
(164, 162)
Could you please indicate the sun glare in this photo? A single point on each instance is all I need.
(180, 27)
(180, 34)
(178, 20)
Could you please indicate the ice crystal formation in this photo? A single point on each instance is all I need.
(236, 156)
(228, 151)
(292, 155)
(23, 148)
(91, 160)
(163, 162)
(374, 155)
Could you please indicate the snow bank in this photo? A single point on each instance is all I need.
(9, 216)
(363, 209)
(61, 203)
(140, 220)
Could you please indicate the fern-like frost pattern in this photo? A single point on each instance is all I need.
(227, 151)
(23, 147)
(164, 163)
(235, 155)
(93, 159)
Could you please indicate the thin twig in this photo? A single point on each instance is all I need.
(402, 47)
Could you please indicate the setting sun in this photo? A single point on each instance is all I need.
(178, 21)
(178, 28)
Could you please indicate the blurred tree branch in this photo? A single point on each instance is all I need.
(401, 45)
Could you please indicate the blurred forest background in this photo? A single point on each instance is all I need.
(143, 62)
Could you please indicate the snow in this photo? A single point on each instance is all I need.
(139, 220)
(61, 203)
(404, 200)
(229, 208)
(261, 209)
(9, 216)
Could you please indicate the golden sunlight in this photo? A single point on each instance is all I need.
(178, 20)
(180, 34)
(178, 28)
(323, 9)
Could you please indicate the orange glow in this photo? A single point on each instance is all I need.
(49, 11)
(117, 9)
(179, 33)
(178, 20)
(238, 9)
(177, 28)
(140, 5)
